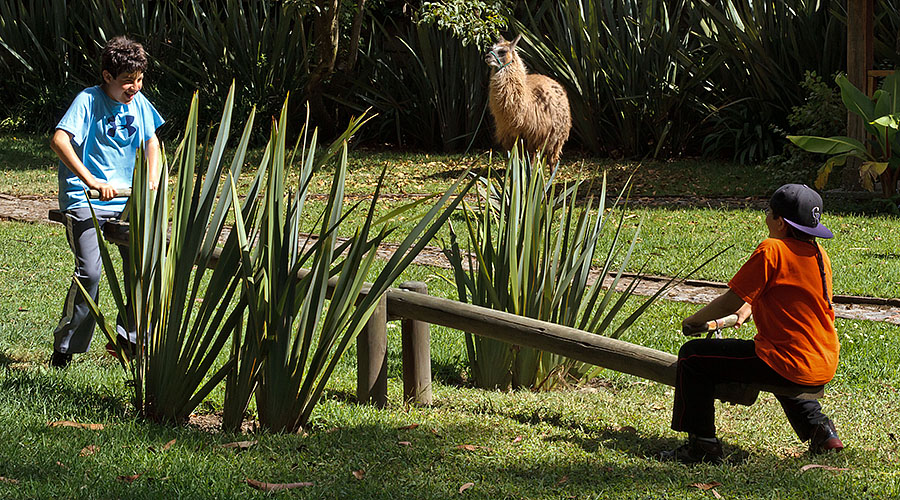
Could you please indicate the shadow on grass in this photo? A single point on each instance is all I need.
(20, 155)
(420, 462)
(435, 464)
(451, 174)
(448, 373)
(56, 393)
(6, 361)
(883, 256)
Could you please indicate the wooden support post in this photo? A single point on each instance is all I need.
(416, 349)
(371, 357)
(860, 58)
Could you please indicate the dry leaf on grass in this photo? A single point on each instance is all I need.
(711, 487)
(275, 486)
(88, 450)
(69, 423)
(404, 443)
(128, 479)
(408, 427)
(465, 487)
(359, 474)
(241, 445)
(472, 447)
(8, 480)
(825, 467)
(517, 439)
(168, 445)
(562, 480)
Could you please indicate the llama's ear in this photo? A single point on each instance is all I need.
(516, 39)
(500, 39)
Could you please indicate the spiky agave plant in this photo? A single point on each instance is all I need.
(306, 303)
(182, 323)
(532, 250)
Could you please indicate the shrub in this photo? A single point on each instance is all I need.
(821, 114)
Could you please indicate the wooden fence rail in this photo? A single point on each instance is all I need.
(416, 309)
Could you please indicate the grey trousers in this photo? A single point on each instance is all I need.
(76, 327)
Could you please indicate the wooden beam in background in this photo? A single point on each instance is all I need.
(860, 54)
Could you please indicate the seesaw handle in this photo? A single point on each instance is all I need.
(710, 326)
(120, 193)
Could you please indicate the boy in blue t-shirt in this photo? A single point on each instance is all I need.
(97, 142)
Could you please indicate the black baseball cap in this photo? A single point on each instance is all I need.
(801, 207)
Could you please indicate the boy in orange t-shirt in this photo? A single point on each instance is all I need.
(786, 285)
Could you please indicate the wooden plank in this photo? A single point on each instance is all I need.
(577, 344)
(56, 215)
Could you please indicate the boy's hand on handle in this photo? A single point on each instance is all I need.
(743, 315)
(693, 329)
(95, 194)
(102, 190)
(710, 317)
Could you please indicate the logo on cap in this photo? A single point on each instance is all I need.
(816, 215)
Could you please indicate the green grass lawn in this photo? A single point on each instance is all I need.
(595, 441)
(864, 252)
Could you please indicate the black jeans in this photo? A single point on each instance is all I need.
(705, 362)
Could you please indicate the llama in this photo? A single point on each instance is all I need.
(533, 108)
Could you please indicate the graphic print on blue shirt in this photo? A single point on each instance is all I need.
(105, 135)
(127, 126)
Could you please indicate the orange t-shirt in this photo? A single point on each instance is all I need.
(795, 325)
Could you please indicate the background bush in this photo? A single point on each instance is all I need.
(821, 114)
(646, 77)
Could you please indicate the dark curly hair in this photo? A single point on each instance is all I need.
(123, 55)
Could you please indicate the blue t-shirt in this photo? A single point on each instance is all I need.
(106, 136)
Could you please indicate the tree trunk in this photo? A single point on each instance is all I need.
(326, 32)
(355, 30)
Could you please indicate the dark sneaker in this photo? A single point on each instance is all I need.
(60, 359)
(128, 349)
(824, 438)
(694, 451)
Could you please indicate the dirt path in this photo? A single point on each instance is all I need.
(34, 209)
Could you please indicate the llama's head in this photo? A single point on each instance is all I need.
(502, 53)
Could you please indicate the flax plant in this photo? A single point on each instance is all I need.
(266, 287)
(267, 43)
(432, 93)
(307, 302)
(182, 324)
(532, 249)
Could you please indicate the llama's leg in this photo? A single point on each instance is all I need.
(553, 151)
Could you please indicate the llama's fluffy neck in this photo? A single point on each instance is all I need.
(508, 89)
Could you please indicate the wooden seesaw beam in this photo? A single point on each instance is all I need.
(418, 310)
